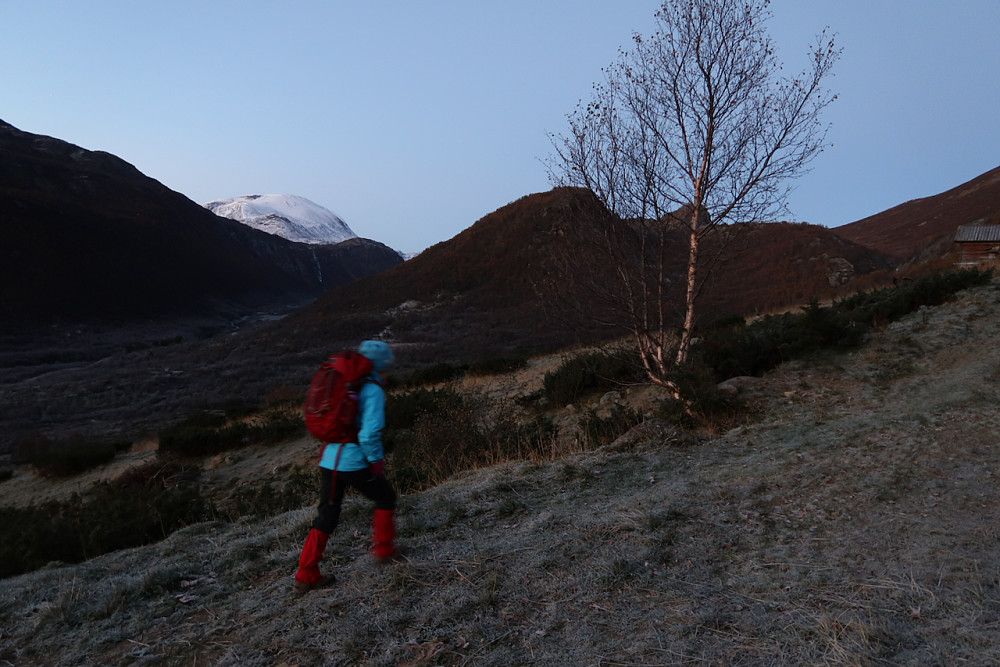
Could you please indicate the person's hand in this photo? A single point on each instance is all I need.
(377, 468)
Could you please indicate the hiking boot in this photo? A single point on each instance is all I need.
(312, 554)
(301, 587)
(383, 534)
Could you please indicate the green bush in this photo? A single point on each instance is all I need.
(498, 365)
(590, 373)
(433, 374)
(267, 499)
(206, 433)
(756, 348)
(139, 510)
(72, 456)
(600, 431)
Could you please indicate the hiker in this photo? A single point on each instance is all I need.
(356, 464)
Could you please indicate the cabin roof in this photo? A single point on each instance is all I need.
(979, 233)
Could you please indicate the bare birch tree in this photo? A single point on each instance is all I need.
(694, 126)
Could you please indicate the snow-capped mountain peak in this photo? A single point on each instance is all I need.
(290, 216)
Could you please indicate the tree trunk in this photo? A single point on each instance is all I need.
(687, 330)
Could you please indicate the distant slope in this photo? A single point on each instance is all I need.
(84, 234)
(922, 229)
(773, 266)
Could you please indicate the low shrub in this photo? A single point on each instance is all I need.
(285, 396)
(435, 434)
(205, 433)
(404, 409)
(67, 457)
(880, 307)
(444, 372)
(757, 348)
(703, 405)
(161, 473)
(734, 349)
(433, 374)
(270, 499)
(590, 373)
(72, 460)
(599, 431)
(235, 411)
(531, 437)
(112, 516)
(438, 434)
(498, 365)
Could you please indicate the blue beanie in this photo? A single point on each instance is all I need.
(380, 353)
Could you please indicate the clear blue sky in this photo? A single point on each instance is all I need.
(412, 120)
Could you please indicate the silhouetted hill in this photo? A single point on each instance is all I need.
(476, 294)
(85, 235)
(923, 229)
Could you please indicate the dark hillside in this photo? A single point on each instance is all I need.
(85, 235)
(476, 293)
(923, 229)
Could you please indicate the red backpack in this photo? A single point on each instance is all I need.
(331, 408)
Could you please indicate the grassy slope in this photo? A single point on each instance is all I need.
(855, 523)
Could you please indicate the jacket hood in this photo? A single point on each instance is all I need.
(380, 353)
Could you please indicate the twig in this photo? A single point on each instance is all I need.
(463, 577)
(807, 565)
(486, 645)
(210, 612)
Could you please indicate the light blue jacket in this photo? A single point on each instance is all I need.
(371, 418)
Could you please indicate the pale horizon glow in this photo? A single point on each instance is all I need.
(413, 122)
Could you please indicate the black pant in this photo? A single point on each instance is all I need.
(331, 494)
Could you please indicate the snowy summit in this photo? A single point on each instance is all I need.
(289, 216)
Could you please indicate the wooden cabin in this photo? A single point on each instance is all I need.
(978, 246)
